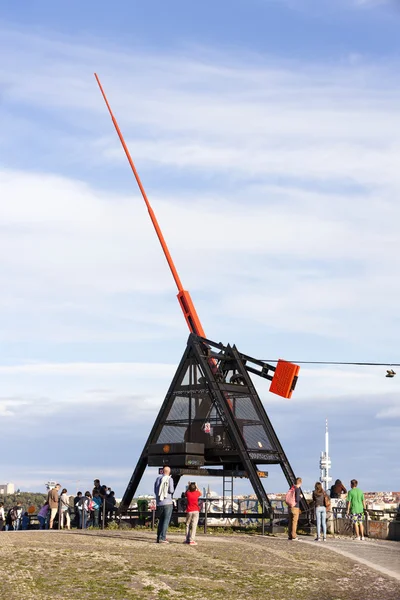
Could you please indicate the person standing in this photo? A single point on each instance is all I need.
(321, 503)
(192, 513)
(356, 507)
(2, 516)
(10, 518)
(76, 510)
(84, 510)
(52, 499)
(97, 503)
(64, 510)
(99, 489)
(13, 518)
(294, 511)
(163, 490)
(18, 520)
(110, 505)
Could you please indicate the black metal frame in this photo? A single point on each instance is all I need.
(218, 378)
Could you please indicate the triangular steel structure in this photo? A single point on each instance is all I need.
(212, 416)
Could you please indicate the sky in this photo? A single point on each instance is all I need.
(267, 136)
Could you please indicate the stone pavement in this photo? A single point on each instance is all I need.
(380, 555)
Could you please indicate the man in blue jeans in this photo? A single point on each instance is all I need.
(163, 490)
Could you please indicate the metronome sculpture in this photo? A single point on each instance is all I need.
(212, 415)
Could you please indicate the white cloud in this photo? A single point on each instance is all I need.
(72, 250)
(392, 412)
(305, 161)
(141, 370)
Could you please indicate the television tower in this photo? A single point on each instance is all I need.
(325, 462)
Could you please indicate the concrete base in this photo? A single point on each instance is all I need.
(379, 530)
(394, 531)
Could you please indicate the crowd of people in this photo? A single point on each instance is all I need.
(97, 508)
(321, 504)
(87, 510)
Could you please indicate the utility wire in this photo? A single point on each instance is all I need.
(323, 362)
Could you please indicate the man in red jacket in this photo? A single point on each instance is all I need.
(192, 513)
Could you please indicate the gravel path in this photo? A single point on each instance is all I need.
(382, 556)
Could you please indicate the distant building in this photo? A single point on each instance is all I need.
(7, 488)
(50, 485)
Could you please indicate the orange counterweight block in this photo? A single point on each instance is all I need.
(284, 379)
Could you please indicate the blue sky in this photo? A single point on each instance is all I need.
(266, 133)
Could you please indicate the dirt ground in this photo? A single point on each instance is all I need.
(129, 565)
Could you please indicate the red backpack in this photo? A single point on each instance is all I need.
(290, 497)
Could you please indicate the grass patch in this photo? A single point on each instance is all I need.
(129, 565)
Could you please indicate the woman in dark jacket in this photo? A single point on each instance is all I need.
(321, 503)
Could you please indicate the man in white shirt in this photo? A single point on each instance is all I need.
(163, 490)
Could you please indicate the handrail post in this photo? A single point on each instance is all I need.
(59, 513)
(103, 521)
(263, 518)
(205, 515)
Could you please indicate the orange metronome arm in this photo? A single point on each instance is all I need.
(285, 373)
(183, 296)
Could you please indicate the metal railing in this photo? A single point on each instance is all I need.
(259, 517)
(346, 524)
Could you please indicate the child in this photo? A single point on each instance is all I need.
(25, 521)
(97, 504)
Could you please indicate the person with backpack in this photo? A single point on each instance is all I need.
(163, 490)
(321, 503)
(192, 513)
(13, 518)
(293, 501)
(355, 508)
